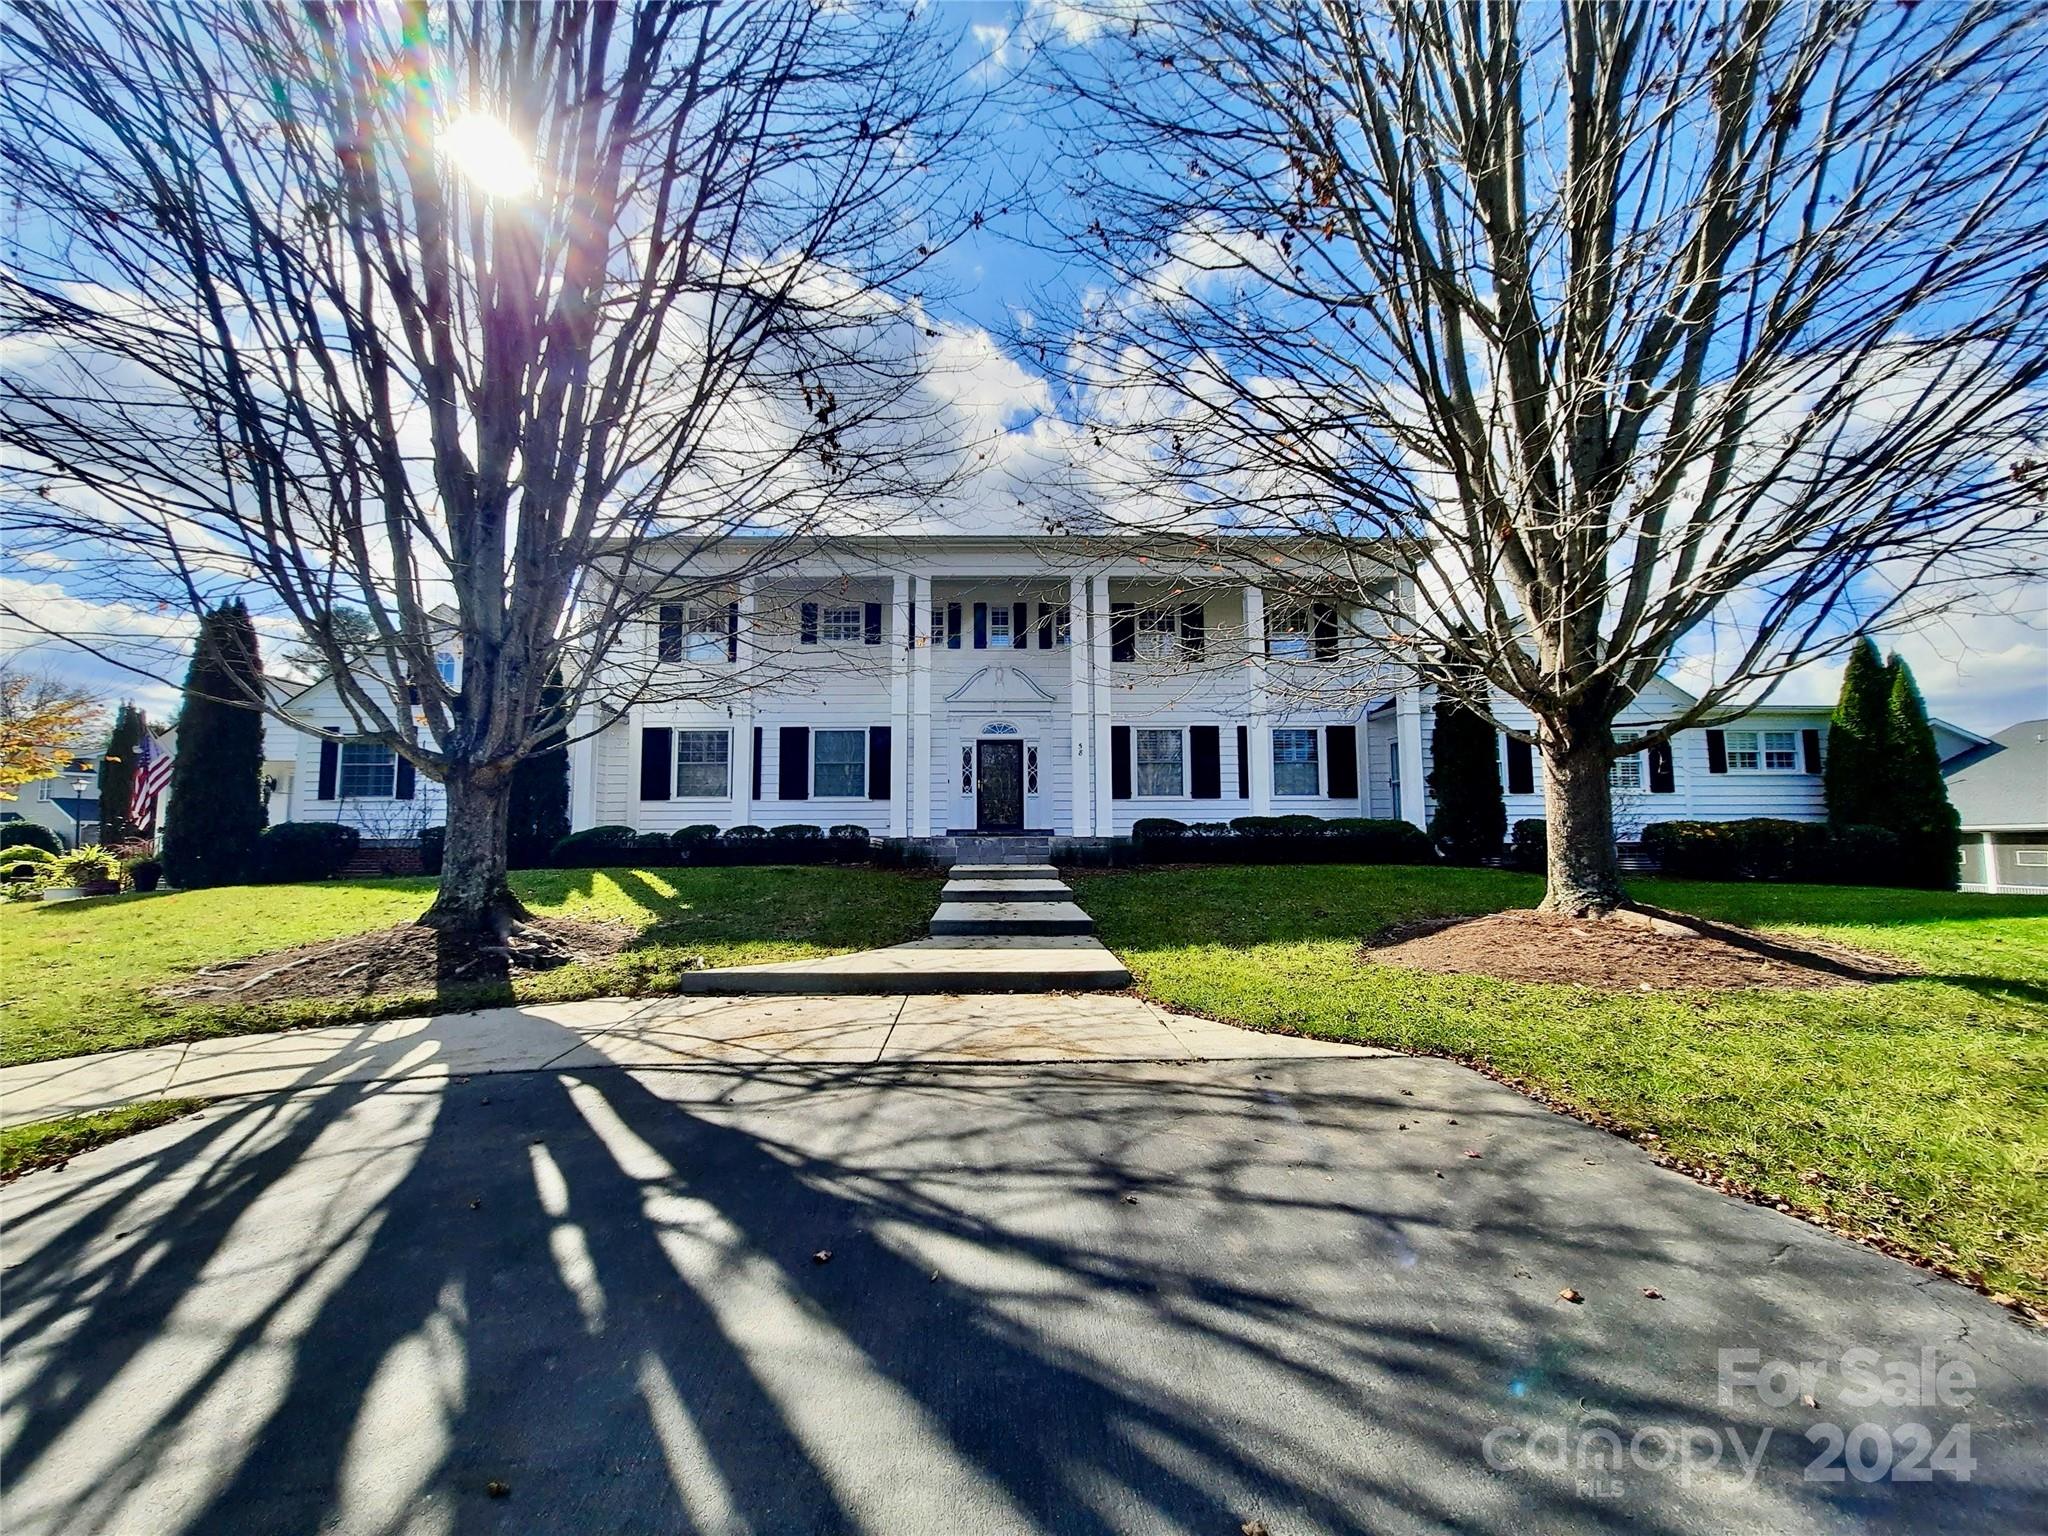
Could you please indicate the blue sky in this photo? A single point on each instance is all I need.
(1981, 671)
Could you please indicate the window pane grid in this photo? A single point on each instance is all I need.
(1158, 763)
(842, 622)
(703, 764)
(1741, 747)
(1781, 750)
(1295, 769)
(839, 764)
(366, 770)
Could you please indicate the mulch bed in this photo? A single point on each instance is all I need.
(1629, 952)
(400, 960)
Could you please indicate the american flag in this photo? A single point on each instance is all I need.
(152, 773)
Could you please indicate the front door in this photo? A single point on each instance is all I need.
(999, 786)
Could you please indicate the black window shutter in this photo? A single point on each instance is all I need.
(1123, 633)
(1521, 767)
(1342, 741)
(1326, 631)
(793, 769)
(1020, 625)
(1809, 746)
(757, 762)
(1244, 762)
(981, 626)
(1205, 762)
(1717, 752)
(952, 626)
(657, 753)
(732, 631)
(330, 769)
(669, 647)
(1194, 631)
(412, 693)
(1045, 626)
(871, 624)
(807, 631)
(878, 762)
(404, 782)
(1119, 762)
(1662, 780)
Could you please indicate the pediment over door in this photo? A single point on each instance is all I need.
(998, 689)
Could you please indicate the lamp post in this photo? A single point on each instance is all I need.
(78, 784)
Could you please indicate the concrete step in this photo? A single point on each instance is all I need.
(1009, 918)
(1002, 872)
(1005, 890)
(929, 966)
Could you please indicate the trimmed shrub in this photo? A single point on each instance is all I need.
(1375, 840)
(797, 832)
(293, 851)
(1861, 854)
(1857, 771)
(1756, 848)
(1146, 828)
(23, 869)
(693, 842)
(1283, 839)
(850, 841)
(29, 853)
(1529, 844)
(594, 848)
(744, 844)
(1917, 809)
(655, 850)
(26, 834)
(213, 827)
(1471, 819)
(433, 847)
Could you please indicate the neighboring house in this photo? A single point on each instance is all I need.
(327, 776)
(68, 803)
(2000, 790)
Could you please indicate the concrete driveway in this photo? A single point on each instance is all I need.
(909, 1296)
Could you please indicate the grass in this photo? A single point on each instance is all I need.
(1913, 1110)
(76, 977)
(47, 1143)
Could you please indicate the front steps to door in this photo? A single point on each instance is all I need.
(999, 928)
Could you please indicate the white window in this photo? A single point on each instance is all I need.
(693, 632)
(1158, 636)
(368, 770)
(703, 765)
(1062, 623)
(839, 765)
(842, 622)
(1768, 751)
(1288, 633)
(444, 664)
(1295, 767)
(1625, 772)
(2030, 858)
(1159, 763)
(998, 623)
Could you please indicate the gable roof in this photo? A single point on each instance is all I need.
(2002, 786)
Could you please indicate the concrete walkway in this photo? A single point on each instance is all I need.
(645, 1032)
(999, 928)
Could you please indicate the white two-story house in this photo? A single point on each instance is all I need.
(939, 687)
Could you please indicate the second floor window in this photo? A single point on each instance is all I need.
(1288, 634)
(692, 632)
(367, 770)
(842, 622)
(1158, 635)
(999, 624)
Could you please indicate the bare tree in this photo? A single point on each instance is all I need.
(1610, 333)
(471, 320)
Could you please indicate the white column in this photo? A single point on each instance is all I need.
(743, 710)
(1991, 881)
(919, 766)
(1103, 820)
(1408, 732)
(902, 637)
(583, 771)
(1259, 738)
(1081, 764)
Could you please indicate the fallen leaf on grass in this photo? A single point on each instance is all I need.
(822, 1256)
(1653, 1293)
(1570, 1295)
(496, 1489)
(1253, 1528)
(1470, 1153)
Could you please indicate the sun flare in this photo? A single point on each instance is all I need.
(490, 154)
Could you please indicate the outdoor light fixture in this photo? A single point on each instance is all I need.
(490, 155)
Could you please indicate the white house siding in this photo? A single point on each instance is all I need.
(1000, 692)
(379, 818)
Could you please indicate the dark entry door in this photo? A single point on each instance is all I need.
(999, 786)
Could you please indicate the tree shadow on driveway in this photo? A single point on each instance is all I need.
(763, 1297)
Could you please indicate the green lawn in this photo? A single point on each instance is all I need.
(1916, 1109)
(45, 1143)
(75, 976)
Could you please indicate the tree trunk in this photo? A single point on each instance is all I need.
(475, 896)
(1578, 806)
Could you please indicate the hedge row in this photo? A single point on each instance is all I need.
(600, 847)
(1289, 839)
(1763, 848)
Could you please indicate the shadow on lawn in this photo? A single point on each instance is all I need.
(1048, 1306)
